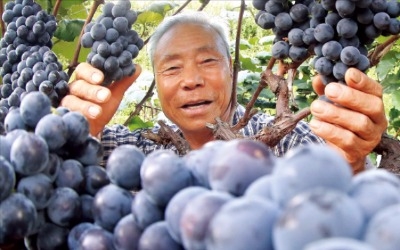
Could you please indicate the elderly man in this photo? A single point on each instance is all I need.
(193, 73)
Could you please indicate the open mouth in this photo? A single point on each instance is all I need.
(195, 104)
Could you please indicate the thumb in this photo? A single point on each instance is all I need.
(118, 88)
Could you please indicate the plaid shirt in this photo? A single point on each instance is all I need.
(116, 135)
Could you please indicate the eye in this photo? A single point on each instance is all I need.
(208, 60)
(172, 70)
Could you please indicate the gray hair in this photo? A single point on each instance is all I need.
(197, 17)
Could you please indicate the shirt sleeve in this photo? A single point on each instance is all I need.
(117, 135)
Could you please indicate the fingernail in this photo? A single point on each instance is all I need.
(355, 75)
(333, 90)
(96, 77)
(94, 111)
(102, 94)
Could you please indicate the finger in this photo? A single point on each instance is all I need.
(343, 139)
(318, 85)
(85, 71)
(358, 80)
(359, 124)
(118, 88)
(89, 92)
(88, 109)
(356, 100)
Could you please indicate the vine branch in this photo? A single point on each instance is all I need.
(382, 49)
(3, 29)
(139, 106)
(57, 7)
(74, 63)
(236, 64)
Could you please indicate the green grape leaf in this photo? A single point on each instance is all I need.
(136, 123)
(263, 56)
(161, 7)
(147, 17)
(244, 44)
(301, 102)
(68, 30)
(300, 84)
(249, 64)
(394, 117)
(396, 97)
(386, 64)
(266, 93)
(391, 83)
(266, 40)
(65, 50)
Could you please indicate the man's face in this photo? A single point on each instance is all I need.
(194, 77)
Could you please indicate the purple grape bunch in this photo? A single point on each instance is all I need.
(27, 62)
(338, 32)
(113, 42)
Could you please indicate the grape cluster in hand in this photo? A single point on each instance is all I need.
(338, 32)
(113, 42)
(27, 62)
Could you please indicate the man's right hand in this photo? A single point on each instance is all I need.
(97, 103)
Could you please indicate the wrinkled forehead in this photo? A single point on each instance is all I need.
(205, 32)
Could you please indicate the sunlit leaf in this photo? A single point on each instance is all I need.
(68, 30)
(149, 17)
(244, 44)
(386, 64)
(136, 123)
(66, 50)
(396, 97)
(266, 40)
(161, 7)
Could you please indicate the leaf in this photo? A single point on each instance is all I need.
(161, 7)
(391, 83)
(248, 63)
(394, 113)
(386, 64)
(136, 123)
(66, 50)
(149, 17)
(68, 4)
(396, 97)
(264, 56)
(244, 44)
(300, 84)
(68, 30)
(266, 40)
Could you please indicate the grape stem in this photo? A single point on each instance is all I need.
(56, 7)
(139, 106)
(3, 29)
(382, 49)
(236, 64)
(166, 136)
(89, 18)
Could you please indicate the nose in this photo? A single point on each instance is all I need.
(191, 77)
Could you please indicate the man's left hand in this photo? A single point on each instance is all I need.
(355, 122)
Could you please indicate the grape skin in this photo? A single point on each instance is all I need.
(111, 39)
